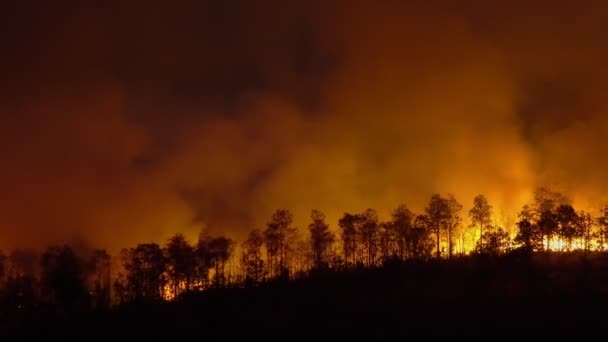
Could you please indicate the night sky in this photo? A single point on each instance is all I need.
(129, 121)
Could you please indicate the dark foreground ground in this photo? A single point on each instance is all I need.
(548, 297)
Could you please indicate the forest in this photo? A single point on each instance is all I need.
(553, 252)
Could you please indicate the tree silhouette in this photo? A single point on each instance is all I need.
(528, 237)
(62, 278)
(3, 267)
(203, 260)
(145, 266)
(547, 224)
(100, 270)
(584, 228)
(213, 254)
(277, 237)
(220, 249)
(603, 228)
(181, 263)
(544, 211)
(301, 256)
(271, 242)
(23, 262)
(437, 212)
(348, 234)
(367, 227)
(401, 224)
(122, 293)
(527, 213)
(20, 293)
(452, 221)
(546, 199)
(387, 240)
(480, 214)
(567, 219)
(494, 243)
(321, 238)
(252, 261)
(422, 243)
(23, 288)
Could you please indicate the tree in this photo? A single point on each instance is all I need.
(145, 266)
(494, 243)
(453, 220)
(387, 240)
(3, 268)
(220, 250)
(21, 287)
(528, 237)
(584, 225)
(437, 212)
(19, 293)
(271, 241)
(567, 219)
(321, 238)
(367, 225)
(543, 212)
(203, 260)
(212, 254)
(23, 263)
(277, 237)
(252, 257)
(348, 235)
(526, 213)
(62, 278)
(546, 199)
(301, 256)
(480, 214)
(100, 269)
(547, 225)
(422, 243)
(181, 263)
(401, 224)
(603, 228)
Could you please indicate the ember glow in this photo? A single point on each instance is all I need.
(124, 123)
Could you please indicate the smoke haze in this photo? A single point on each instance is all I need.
(124, 123)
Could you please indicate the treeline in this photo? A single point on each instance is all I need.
(70, 281)
(62, 279)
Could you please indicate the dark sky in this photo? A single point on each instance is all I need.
(127, 121)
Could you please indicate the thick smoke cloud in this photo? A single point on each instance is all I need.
(124, 123)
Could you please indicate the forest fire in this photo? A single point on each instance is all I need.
(336, 155)
(445, 230)
(112, 155)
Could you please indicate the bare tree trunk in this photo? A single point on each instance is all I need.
(462, 250)
(369, 253)
(449, 243)
(281, 260)
(438, 250)
(481, 235)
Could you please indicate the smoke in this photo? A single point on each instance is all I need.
(126, 123)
